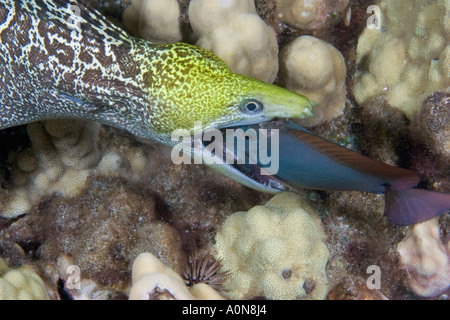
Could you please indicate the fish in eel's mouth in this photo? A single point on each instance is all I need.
(241, 167)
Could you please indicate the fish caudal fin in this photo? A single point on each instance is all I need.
(414, 205)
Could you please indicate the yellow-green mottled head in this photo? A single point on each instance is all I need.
(190, 84)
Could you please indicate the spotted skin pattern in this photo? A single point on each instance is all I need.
(49, 70)
(62, 59)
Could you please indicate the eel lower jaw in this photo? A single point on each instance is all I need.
(250, 175)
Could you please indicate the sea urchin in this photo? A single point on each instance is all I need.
(205, 270)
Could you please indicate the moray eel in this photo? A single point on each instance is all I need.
(60, 59)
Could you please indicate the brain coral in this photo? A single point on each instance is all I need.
(408, 58)
(20, 284)
(276, 251)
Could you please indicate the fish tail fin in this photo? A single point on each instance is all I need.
(414, 205)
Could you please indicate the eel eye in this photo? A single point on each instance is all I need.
(251, 107)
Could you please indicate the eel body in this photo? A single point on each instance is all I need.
(61, 59)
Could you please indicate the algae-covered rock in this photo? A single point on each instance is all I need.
(153, 280)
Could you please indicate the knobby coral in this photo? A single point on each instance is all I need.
(154, 20)
(153, 280)
(426, 259)
(407, 58)
(234, 32)
(317, 70)
(20, 284)
(275, 251)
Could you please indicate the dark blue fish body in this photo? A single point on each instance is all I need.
(322, 165)
(309, 161)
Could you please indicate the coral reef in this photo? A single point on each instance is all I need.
(234, 32)
(103, 229)
(317, 70)
(358, 237)
(430, 130)
(59, 160)
(20, 284)
(302, 14)
(408, 58)
(206, 270)
(306, 14)
(154, 20)
(134, 200)
(387, 126)
(71, 284)
(96, 198)
(426, 259)
(275, 251)
(152, 280)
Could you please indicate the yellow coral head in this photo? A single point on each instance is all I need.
(188, 84)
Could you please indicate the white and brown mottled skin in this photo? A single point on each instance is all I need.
(50, 67)
(50, 70)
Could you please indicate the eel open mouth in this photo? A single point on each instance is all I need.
(246, 154)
